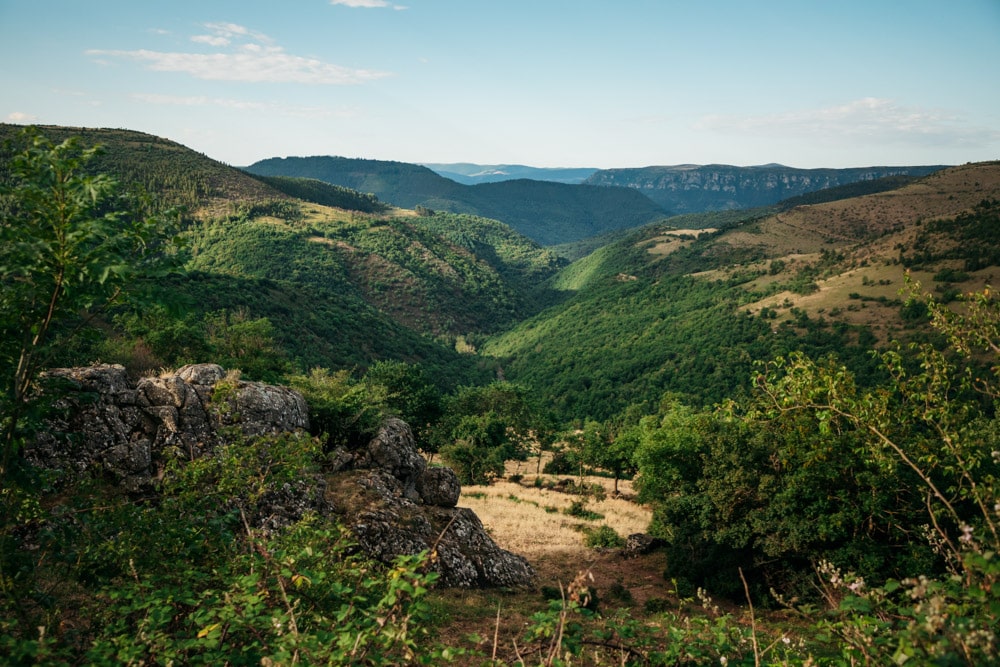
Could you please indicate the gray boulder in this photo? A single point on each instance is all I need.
(123, 430)
(387, 524)
(395, 504)
(439, 486)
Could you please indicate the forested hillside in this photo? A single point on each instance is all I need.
(690, 311)
(306, 271)
(172, 174)
(804, 395)
(547, 212)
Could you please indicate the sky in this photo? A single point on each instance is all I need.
(547, 83)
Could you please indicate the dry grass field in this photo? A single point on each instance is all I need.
(868, 233)
(532, 521)
(674, 240)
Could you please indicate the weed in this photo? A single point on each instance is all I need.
(603, 536)
(578, 509)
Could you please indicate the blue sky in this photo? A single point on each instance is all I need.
(590, 83)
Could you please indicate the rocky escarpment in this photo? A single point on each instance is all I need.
(123, 430)
(715, 187)
(384, 492)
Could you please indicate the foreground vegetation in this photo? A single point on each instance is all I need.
(815, 509)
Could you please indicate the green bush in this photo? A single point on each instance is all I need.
(346, 411)
(562, 463)
(187, 577)
(603, 536)
(578, 509)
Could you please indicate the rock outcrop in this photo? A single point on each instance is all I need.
(384, 492)
(111, 426)
(396, 504)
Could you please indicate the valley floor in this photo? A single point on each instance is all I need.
(530, 518)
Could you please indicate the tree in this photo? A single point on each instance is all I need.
(935, 420)
(345, 411)
(734, 490)
(70, 244)
(483, 427)
(239, 341)
(409, 394)
(602, 448)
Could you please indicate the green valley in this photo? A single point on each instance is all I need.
(547, 212)
(801, 396)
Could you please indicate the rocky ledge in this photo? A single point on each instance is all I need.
(384, 492)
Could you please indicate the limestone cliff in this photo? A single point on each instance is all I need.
(697, 188)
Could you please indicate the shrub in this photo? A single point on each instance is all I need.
(190, 579)
(346, 411)
(562, 463)
(951, 276)
(578, 509)
(603, 536)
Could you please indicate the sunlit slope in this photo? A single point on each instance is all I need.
(689, 311)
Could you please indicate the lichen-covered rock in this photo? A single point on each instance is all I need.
(394, 450)
(439, 486)
(388, 524)
(384, 492)
(638, 544)
(98, 427)
(181, 420)
(203, 374)
(283, 506)
(106, 424)
(259, 408)
(395, 504)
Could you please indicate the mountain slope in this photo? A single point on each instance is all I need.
(689, 311)
(342, 286)
(547, 212)
(175, 174)
(399, 183)
(695, 188)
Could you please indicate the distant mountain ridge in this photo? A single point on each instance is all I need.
(691, 188)
(547, 212)
(469, 173)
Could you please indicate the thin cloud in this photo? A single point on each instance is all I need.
(245, 56)
(870, 119)
(239, 105)
(21, 117)
(366, 4)
(211, 40)
(198, 101)
(225, 33)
